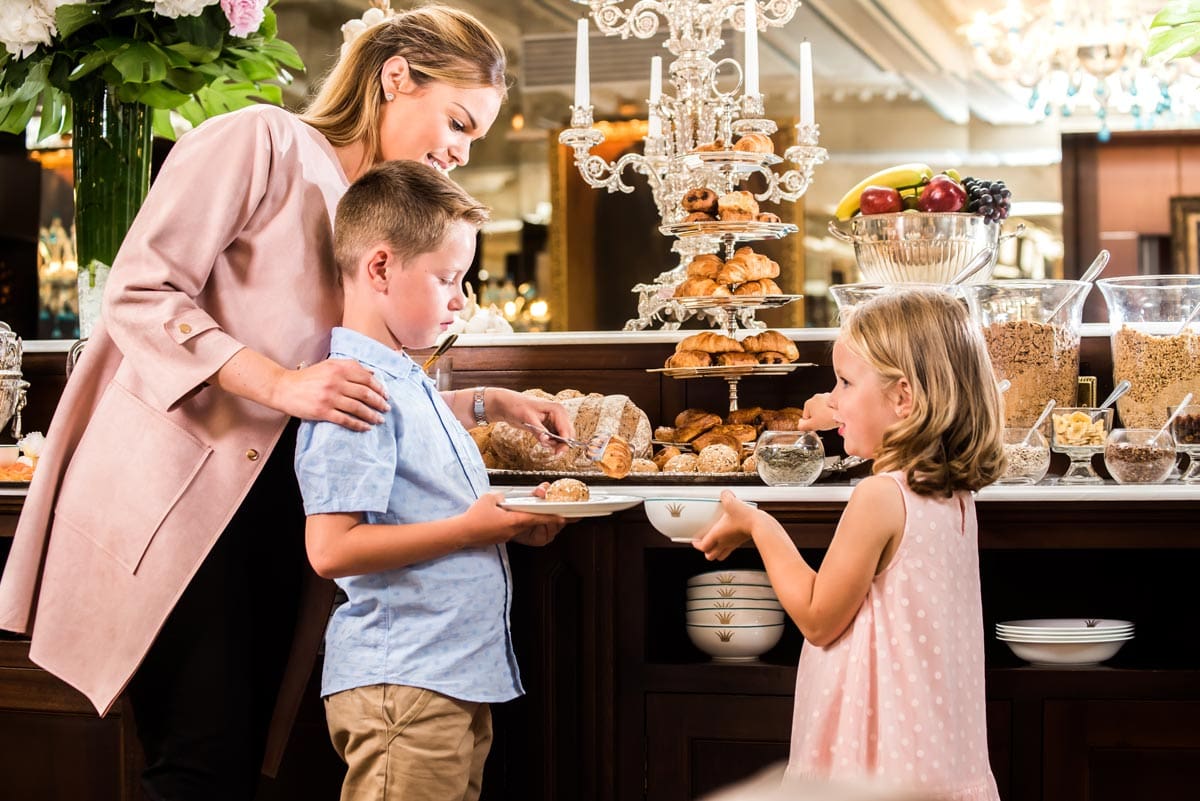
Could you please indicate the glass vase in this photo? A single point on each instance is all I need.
(112, 147)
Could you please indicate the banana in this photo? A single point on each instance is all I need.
(899, 177)
(953, 173)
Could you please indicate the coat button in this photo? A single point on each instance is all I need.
(185, 329)
(252, 455)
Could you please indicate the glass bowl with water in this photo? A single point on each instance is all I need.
(789, 458)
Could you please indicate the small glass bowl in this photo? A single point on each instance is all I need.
(1186, 430)
(1080, 433)
(1027, 460)
(1139, 455)
(789, 458)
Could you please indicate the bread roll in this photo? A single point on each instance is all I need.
(517, 448)
(482, 435)
(665, 455)
(689, 358)
(643, 466)
(755, 143)
(718, 459)
(567, 489)
(710, 342)
(683, 463)
(715, 437)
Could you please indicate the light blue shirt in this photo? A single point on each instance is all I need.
(441, 625)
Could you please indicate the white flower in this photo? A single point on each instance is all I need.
(356, 27)
(32, 444)
(24, 25)
(180, 8)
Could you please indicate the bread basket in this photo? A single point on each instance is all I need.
(919, 247)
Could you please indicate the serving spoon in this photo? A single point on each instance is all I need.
(1089, 275)
(1041, 419)
(1119, 390)
(1171, 419)
(973, 266)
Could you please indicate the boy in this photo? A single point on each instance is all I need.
(401, 515)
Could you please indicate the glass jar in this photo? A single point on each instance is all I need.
(1027, 456)
(1186, 430)
(789, 458)
(850, 296)
(1139, 455)
(1149, 348)
(1032, 334)
(1080, 433)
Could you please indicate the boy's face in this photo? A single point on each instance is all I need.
(424, 293)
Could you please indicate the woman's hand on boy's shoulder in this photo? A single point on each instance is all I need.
(339, 391)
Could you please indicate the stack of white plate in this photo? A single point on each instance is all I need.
(733, 615)
(1065, 641)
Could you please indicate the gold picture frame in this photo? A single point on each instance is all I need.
(1185, 234)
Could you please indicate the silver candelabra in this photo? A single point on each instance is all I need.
(698, 113)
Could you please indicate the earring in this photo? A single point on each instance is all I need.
(389, 97)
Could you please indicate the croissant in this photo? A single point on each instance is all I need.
(709, 146)
(735, 271)
(695, 288)
(771, 357)
(755, 143)
(617, 459)
(721, 291)
(736, 359)
(688, 358)
(706, 265)
(748, 416)
(710, 342)
(771, 341)
(742, 432)
(751, 288)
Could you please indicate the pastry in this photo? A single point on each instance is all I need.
(781, 421)
(771, 341)
(756, 265)
(482, 436)
(517, 448)
(695, 288)
(706, 265)
(539, 393)
(737, 206)
(754, 143)
(692, 416)
(710, 342)
(767, 217)
(643, 466)
(700, 199)
(715, 437)
(617, 459)
(735, 271)
(750, 416)
(699, 216)
(736, 359)
(718, 459)
(665, 455)
(567, 489)
(688, 358)
(750, 464)
(771, 357)
(491, 461)
(689, 431)
(763, 286)
(563, 394)
(664, 434)
(742, 432)
(683, 463)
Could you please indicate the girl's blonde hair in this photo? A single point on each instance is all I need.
(953, 439)
(439, 43)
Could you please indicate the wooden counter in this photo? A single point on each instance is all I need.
(621, 706)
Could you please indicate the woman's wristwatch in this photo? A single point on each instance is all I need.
(480, 412)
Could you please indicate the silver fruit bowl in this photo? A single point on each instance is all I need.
(919, 247)
(12, 399)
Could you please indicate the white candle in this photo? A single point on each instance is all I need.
(751, 47)
(582, 94)
(806, 84)
(655, 95)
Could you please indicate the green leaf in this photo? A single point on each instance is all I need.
(194, 53)
(257, 69)
(199, 31)
(270, 25)
(16, 116)
(155, 95)
(54, 113)
(186, 80)
(74, 17)
(1177, 13)
(283, 53)
(1163, 40)
(141, 63)
(89, 63)
(192, 111)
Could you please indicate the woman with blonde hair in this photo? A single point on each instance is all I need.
(161, 545)
(890, 682)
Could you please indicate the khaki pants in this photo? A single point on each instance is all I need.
(408, 744)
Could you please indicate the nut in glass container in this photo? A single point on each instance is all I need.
(1027, 456)
(1139, 455)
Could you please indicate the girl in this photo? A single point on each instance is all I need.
(161, 546)
(890, 682)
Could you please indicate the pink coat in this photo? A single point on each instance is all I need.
(145, 463)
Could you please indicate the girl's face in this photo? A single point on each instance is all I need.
(423, 295)
(862, 404)
(435, 123)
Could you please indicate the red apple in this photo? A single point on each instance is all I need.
(942, 193)
(880, 200)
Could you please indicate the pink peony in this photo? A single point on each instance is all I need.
(244, 15)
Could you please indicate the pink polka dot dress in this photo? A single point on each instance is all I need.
(900, 696)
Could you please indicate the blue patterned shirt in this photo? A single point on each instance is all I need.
(441, 625)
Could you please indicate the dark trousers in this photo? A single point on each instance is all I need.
(203, 697)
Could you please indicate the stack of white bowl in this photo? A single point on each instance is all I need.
(1065, 641)
(733, 615)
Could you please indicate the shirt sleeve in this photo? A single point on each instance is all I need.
(346, 471)
(203, 197)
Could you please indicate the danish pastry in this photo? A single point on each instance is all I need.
(755, 143)
(700, 199)
(692, 416)
(617, 459)
(737, 206)
(699, 216)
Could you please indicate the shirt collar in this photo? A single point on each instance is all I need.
(345, 342)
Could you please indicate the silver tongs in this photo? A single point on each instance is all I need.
(594, 446)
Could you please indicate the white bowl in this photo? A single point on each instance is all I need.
(683, 519)
(756, 577)
(716, 602)
(1065, 653)
(9, 454)
(1063, 625)
(734, 643)
(744, 616)
(739, 591)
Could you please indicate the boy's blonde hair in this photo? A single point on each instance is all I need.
(406, 204)
(439, 43)
(953, 439)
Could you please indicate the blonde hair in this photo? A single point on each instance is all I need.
(953, 438)
(439, 43)
(407, 204)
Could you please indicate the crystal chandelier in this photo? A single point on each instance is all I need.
(698, 112)
(1086, 56)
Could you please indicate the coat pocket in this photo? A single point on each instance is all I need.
(130, 469)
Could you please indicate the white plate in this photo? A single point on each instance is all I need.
(1048, 641)
(1056, 635)
(598, 506)
(1065, 624)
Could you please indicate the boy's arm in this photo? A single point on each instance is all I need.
(508, 406)
(341, 544)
